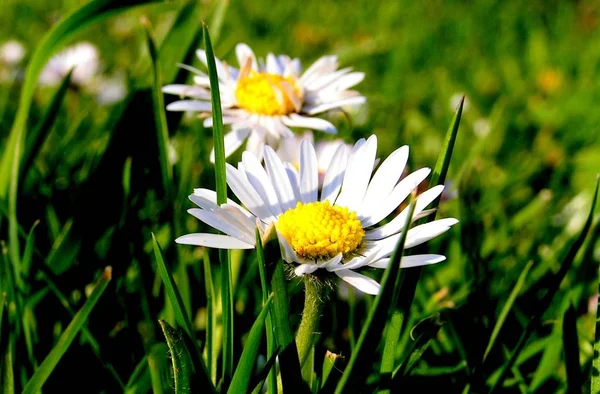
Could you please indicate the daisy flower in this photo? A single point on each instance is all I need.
(262, 100)
(83, 57)
(289, 151)
(12, 53)
(334, 228)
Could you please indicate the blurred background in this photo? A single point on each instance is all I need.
(520, 182)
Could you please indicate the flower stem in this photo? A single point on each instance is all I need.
(315, 292)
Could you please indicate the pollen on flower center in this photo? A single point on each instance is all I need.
(319, 231)
(268, 94)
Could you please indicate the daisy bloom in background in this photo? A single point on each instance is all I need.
(12, 53)
(334, 228)
(83, 57)
(289, 151)
(262, 100)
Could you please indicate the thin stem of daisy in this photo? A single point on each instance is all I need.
(315, 292)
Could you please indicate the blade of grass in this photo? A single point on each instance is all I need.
(182, 318)
(571, 349)
(595, 380)
(41, 374)
(160, 118)
(332, 365)
(221, 188)
(40, 132)
(362, 359)
(506, 308)
(241, 378)
(140, 380)
(553, 287)
(258, 381)
(211, 355)
(180, 358)
(403, 296)
(264, 284)
(157, 367)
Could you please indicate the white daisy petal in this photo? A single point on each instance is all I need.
(213, 241)
(361, 282)
(257, 176)
(309, 173)
(256, 142)
(399, 194)
(384, 180)
(247, 194)
(187, 91)
(233, 140)
(221, 221)
(396, 224)
(345, 82)
(322, 65)
(303, 269)
(294, 178)
(279, 179)
(318, 108)
(222, 72)
(358, 173)
(288, 253)
(207, 199)
(326, 80)
(294, 120)
(190, 105)
(411, 261)
(334, 176)
(273, 66)
(242, 52)
(424, 232)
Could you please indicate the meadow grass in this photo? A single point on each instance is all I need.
(92, 196)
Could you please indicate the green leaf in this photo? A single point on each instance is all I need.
(332, 365)
(571, 349)
(362, 359)
(552, 289)
(180, 358)
(41, 374)
(506, 308)
(438, 177)
(241, 378)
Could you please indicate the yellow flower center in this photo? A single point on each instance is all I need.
(268, 94)
(320, 231)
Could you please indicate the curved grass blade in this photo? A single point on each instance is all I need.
(553, 287)
(41, 374)
(430, 331)
(571, 349)
(180, 358)
(241, 378)
(506, 308)
(362, 359)
(406, 292)
(140, 380)
(182, 318)
(595, 382)
(258, 381)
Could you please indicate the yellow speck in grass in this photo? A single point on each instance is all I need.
(320, 231)
(268, 94)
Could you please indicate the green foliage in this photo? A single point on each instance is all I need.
(84, 184)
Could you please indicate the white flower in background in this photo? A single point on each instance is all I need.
(482, 127)
(111, 89)
(83, 57)
(264, 99)
(289, 151)
(12, 53)
(455, 102)
(333, 228)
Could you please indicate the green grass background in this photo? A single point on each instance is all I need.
(531, 75)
